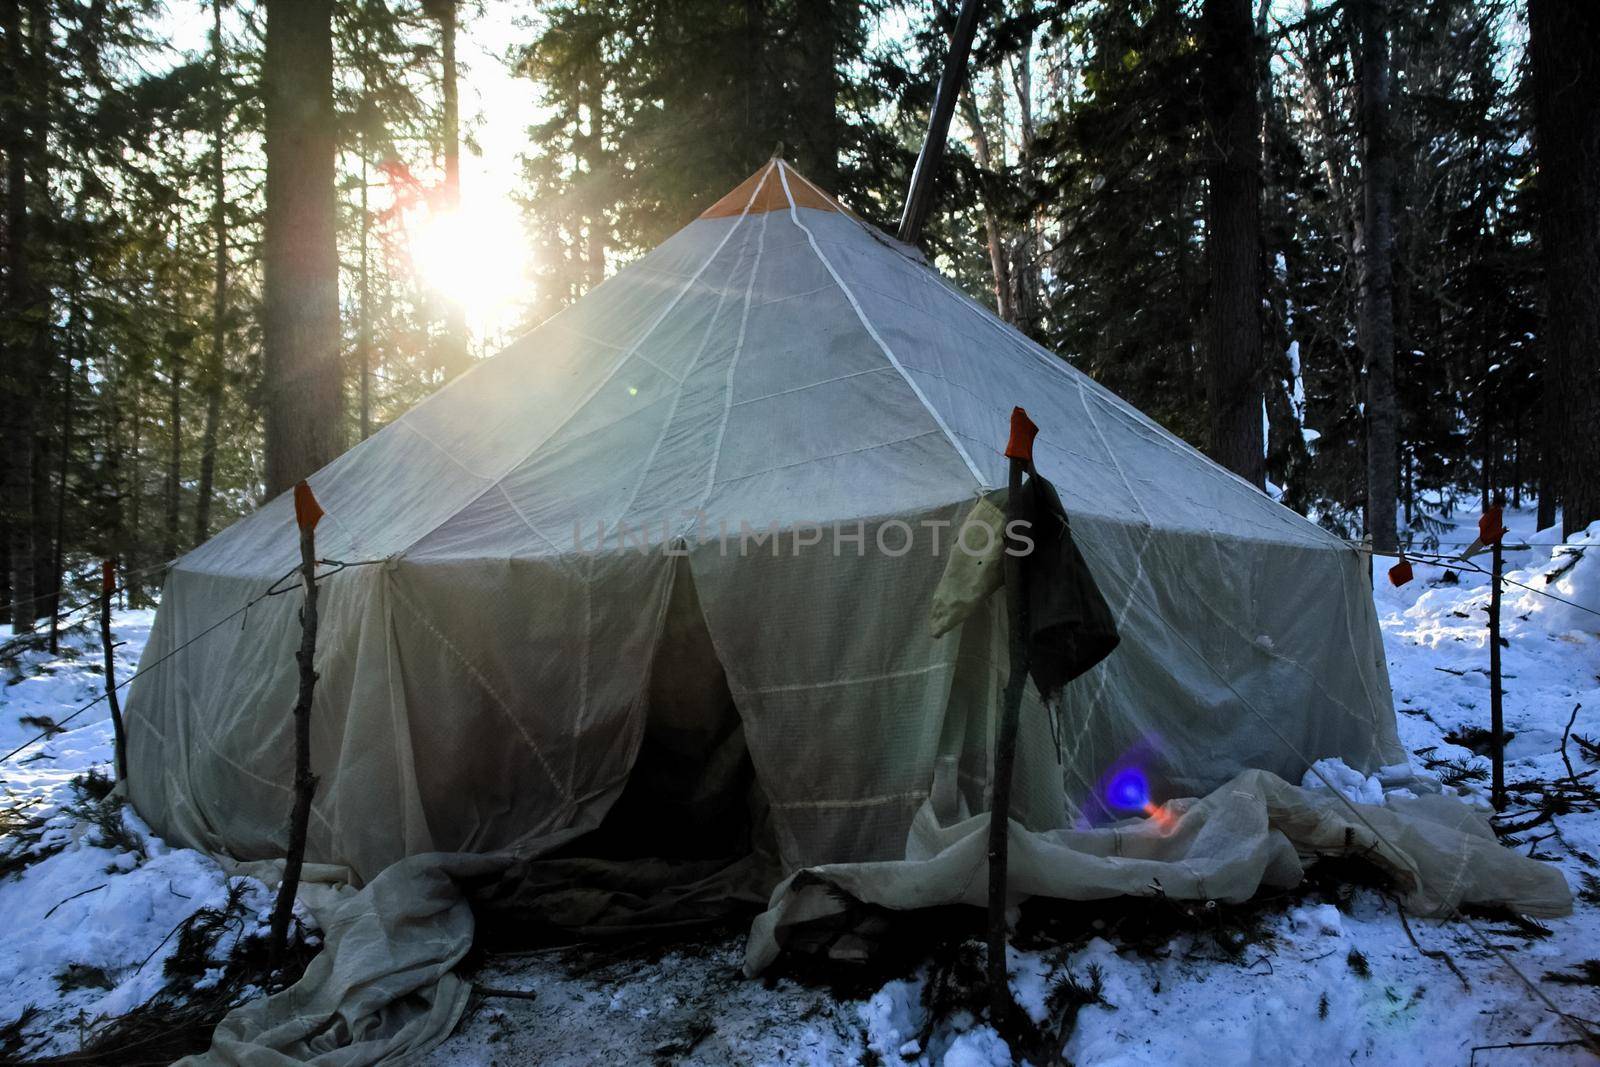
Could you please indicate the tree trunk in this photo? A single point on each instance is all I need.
(133, 550)
(1024, 250)
(58, 539)
(1375, 329)
(363, 301)
(818, 156)
(1233, 240)
(300, 283)
(453, 356)
(25, 493)
(216, 355)
(1563, 36)
(595, 165)
(173, 492)
(999, 265)
(16, 493)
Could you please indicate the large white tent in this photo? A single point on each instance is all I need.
(490, 673)
(655, 583)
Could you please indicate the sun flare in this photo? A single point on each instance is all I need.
(473, 256)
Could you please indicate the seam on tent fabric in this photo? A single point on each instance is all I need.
(1183, 575)
(830, 455)
(402, 774)
(1115, 405)
(586, 568)
(355, 542)
(211, 744)
(909, 672)
(635, 722)
(560, 558)
(1072, 377)
(582, 579)
(794, 296)
(700, 351)
(813, 385)
(794, 216)
(591, 339)
(621, 362)
(1129, 415)
(733, 361)
(1147, 533)
(861, 802)
(483, 683)
(573, 331)
(446, 453)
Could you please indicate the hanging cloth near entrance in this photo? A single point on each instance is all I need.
(1070, 625)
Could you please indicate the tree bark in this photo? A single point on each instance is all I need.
(173, 490)
(1023, 253)
(994, 233)
(818, 89)
(20, 364)
(594, 166)
(108, 652)
(58, 538)
(133, 532)
(300, 290)
(1564, 41)
(1233, 240)
(453, 356)
(1375, 329)
(216, 355)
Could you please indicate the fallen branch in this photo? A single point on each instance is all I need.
(1565, 733)
(75, 896)
(1442, 957)
(513, 994)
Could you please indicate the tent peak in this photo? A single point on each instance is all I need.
(775, 186)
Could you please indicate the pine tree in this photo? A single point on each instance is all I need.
(303, 401)
(1233, 239)
(1376, 329)
(1566, 70)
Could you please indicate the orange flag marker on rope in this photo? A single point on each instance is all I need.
(1023, 431)
(307, 512)
(1490, 528)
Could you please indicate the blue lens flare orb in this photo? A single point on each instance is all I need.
(1128, 789)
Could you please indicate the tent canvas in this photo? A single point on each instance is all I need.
(792, 413)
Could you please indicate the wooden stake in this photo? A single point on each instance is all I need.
(1005, 753)
(108, 584)
(307, 512)
(1497, 793)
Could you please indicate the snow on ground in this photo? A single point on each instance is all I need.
(90, 897)
(1320, 976)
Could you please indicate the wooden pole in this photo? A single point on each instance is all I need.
(944, 106)
(307, 512)
(1005, 753)
(108, 584)
(1496, 717)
